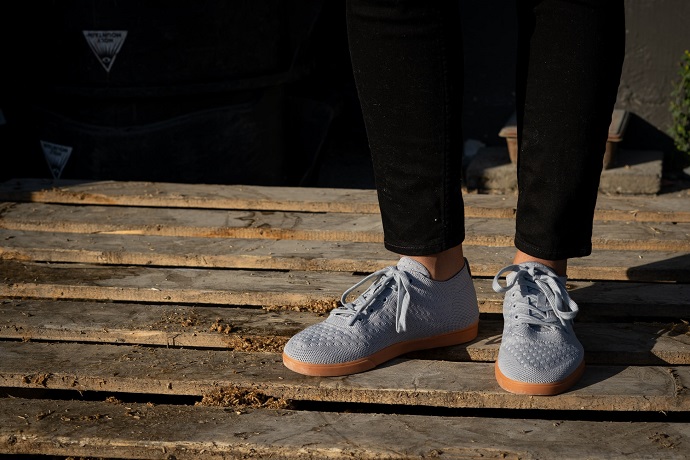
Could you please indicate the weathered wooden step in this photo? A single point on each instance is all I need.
(654, 266)
(117, 430)
(244, 329)
(178, 195)
(633, 236)
(167, 371)
(309, 291)
(669, 208)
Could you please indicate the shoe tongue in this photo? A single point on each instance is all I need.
(412, 266)
(541, 267)
(531, 295)
(536, 297)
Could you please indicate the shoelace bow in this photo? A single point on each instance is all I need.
(536, 281)
(401, 286)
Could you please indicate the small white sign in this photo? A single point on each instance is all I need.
(105, 44)
(56, 156)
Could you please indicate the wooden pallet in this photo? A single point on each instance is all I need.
(146, 320)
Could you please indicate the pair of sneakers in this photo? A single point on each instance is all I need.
(404, 310)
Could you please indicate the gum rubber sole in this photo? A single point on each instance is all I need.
(388, 353)
(538, 389)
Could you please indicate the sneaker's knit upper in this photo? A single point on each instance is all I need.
(404, 303)
(538, 344)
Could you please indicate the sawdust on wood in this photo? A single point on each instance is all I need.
(85, 458)
(43, 415)
(174, 318)
(222, 327)
(85, 418)
(241, 399)
(316, 306)
(269, 344)
(134, 413)
(663, 440)
(238, 342)
(36, 379)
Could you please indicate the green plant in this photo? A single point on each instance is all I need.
(680, 109)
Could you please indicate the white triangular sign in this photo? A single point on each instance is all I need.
(105, 44)
(56, 156)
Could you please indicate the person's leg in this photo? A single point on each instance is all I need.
(407, 62)
(569, 66)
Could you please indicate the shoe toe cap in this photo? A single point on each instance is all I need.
(539, 363)
(320, 344)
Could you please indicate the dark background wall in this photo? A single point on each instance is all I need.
(289, 118)
(657, 32)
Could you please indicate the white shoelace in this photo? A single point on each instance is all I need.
(401, 286)
(537, 281)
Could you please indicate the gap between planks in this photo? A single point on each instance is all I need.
(163, 371)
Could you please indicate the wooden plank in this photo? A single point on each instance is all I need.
(192, 222)
(257, 330)
(655, 266)
(118, 430)
(310, 291)
(666, 208)
(243, 329)
(603, 264)
(194, 252)
(604, 343)
(160, 194)
(168, 371)
(661, 236)
(660, 208)
(140, 284)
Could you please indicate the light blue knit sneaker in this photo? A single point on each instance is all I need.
(539, 353)
(402, 311)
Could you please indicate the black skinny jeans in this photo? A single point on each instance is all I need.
(408, 65)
